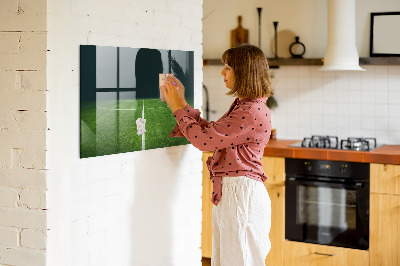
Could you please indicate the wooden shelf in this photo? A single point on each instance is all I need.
(380, 61)
(273, 63)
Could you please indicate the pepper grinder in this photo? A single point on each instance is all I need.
(276, 38)
(259, 26)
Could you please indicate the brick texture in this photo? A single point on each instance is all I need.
(23, 126)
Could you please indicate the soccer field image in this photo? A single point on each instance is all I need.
(116, 129)
(120, 109)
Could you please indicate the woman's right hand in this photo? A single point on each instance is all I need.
(181, 91)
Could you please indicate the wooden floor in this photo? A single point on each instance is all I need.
(206, 261)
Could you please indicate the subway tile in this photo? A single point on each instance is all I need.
(394, 97)
(394, 83)
(382, 136)
(304, 72)
(291, 71)
(328, 74)
(329, 94)
(329, 122)
(292, 82)
(381, 84)
(367, 96)
(380, 71)
(317, 107)
(355, 132)
(394, 110)
(367, 83)
(367, 110)
(354, 83)
(355, 96)
(382, 123)
(342, 80)
(317, 95)
(342, 109)
(329, 109)
(316, 83)
(304, 82)
(342, 122)
(304, 108)
(305, 95)
(380, 97)
(367, 122)
(317, 131)
(355, 122)
(342, 96)
(381, 110)
(394, 123)
(317, 121)
(355, 109)
(394, 137)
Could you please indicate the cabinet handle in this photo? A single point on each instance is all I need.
(324, 254)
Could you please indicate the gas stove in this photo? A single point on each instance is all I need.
(332, 142)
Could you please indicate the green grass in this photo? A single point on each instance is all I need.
(107, 131)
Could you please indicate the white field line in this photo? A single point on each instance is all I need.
(143, 135)
(116, 109)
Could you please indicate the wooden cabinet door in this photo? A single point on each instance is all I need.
(384, 237)
(304, 254)
(206, 225)
(385, 178)
(274, 168)
(277, 233)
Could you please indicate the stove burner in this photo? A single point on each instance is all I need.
(332, 142)
(358, 144)
(328, 142)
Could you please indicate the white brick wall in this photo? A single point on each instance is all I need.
(99, 208)
(23, 128)
(140, 208)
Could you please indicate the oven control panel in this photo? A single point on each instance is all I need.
(337, 169)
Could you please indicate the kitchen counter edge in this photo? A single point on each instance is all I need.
(386, 154)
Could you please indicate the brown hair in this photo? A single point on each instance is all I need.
(250, 66)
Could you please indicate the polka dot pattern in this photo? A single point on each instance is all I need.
(238, 139)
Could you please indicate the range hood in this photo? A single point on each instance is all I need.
(341, 51)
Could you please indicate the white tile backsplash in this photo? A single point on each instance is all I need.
(346, 103)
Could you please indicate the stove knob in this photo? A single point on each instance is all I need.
(343, 168)
(308, 166)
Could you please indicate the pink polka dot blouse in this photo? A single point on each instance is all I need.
(238, 139)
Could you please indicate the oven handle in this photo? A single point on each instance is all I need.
(357, 185)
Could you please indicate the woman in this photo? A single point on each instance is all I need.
(242, 208)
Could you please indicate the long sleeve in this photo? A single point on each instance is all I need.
(230, 131)
(193, 113)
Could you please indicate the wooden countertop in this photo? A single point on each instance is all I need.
(389, 154)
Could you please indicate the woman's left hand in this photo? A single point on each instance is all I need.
(170, 90)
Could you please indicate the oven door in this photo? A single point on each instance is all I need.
(327, 213)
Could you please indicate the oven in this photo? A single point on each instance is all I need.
(327, 202)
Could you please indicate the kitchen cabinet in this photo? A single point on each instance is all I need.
(206, 225)
(385, 215)
(274, 168)
(305, 254)
(385, 178)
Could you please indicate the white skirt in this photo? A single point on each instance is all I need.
(241, 223)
